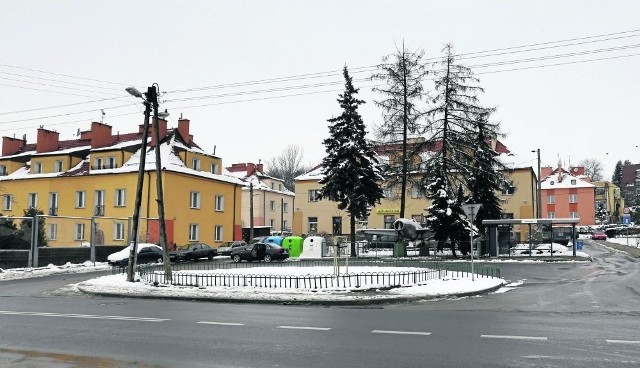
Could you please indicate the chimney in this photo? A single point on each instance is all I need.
(183, 129)
(250, 168)
(260, 166)
(162, 128)
(86, 135)
(100, 135)
(11, 146)
(47, 140)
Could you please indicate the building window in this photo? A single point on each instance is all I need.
(280, 187)
(80, 199)
(79, 232)
(599, 191)
(111, 163)
(272, 186)
(7, 202)
(313, 225)
(314, 195)
(194, 201)
(285, 226)
(99, 163)
(32, 200)
(99, 203)
(285, 207)
(552, 182)
(272, 206)
(3, 170)
(573, 215)
(551, 215)
(58, 166)
(551, 199)
(194, 232)
(195, 164)
(508, 188)
(218, 233)
(118, 231)
(214, 168)
(121, 197)
(53, 231)
(272, 223)
(573, 181)
(219, 203)
(336, 222)
(573, 198)
(388, 221)
(53, 204)
(37, 167)
(415, 192)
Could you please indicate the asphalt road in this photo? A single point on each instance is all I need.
(564, 315)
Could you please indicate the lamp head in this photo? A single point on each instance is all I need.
(133, 92)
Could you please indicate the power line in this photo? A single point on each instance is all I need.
(63, 75)
(65, 114)
(60, 106)
(59, 81)
(52, 85)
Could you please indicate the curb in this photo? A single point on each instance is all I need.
(371, 300)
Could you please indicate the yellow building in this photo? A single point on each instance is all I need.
(272, 203)
(93, 180)
(608, 197)
(322, 216)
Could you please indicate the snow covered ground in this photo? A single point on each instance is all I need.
(454, 284)
(23, 273)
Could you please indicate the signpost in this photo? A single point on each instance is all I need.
(471, 209)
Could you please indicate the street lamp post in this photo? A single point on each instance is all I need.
(136, 211)
(159, 192)
(539, 196)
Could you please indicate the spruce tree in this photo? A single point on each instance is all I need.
(616, 178)
(486, 178)
(403, 73)
(351, 174)
(446, 217)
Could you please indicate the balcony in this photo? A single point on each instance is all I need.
(98, 211)
(53, 211)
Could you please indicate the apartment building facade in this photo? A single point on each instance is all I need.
(92, 181)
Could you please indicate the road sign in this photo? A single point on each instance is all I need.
(471, 209)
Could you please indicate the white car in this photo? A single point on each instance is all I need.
(147, 253)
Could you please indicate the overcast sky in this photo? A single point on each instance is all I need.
(94, 49)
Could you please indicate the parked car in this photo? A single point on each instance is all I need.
(258, 239)
(225, 248)
(193, 252)
(259, 252)
(599, 235)
(147, 253)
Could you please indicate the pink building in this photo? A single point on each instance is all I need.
(568, 194)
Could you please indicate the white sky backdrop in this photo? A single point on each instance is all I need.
(570, 112)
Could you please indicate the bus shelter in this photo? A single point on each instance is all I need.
(557, 229)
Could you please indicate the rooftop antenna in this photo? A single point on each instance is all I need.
(78, 133)
(102, 118)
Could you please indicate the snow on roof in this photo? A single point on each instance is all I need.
(564, 180)
(169, 159)
(313, 174)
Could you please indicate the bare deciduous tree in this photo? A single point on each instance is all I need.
(287, 165)
(592, 168)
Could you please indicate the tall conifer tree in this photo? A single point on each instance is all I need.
(351, 174)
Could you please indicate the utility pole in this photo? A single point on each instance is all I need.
(539, 208)
(159, 194)
(136, 211)
(250, 209)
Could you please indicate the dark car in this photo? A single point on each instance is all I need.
(147, 253)
(225, 248)
(193, 252)
(258, 239)
(259, 252)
